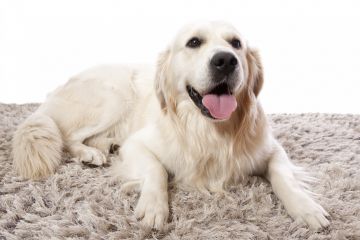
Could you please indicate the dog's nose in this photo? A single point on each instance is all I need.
(223, 63)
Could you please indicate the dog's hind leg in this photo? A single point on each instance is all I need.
(86, 147)
(107, 145)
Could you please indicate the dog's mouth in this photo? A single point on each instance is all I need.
(219, 103)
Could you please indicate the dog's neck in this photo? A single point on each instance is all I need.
(211, 145)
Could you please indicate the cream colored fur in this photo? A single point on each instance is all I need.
(162, 132)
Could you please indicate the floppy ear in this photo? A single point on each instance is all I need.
(160, 77)
(256, 78)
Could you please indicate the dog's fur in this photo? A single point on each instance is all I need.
(150, 114)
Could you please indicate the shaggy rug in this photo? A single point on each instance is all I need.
(80, 202)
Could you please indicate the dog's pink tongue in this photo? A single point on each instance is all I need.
(220, 107)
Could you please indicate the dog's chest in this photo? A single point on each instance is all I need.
(214, 165)
(206, 156)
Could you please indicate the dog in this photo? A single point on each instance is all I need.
(195, 115)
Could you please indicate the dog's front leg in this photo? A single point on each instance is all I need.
(140, 164)
(287, 183)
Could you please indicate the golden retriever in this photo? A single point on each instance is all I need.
(195, 116)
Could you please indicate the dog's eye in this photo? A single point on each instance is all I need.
(194, 43)
(235, 43)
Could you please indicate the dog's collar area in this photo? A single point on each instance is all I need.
(197, 99)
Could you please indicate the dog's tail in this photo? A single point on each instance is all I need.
(37, 146)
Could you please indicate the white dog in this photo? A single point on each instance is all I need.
(196, 116)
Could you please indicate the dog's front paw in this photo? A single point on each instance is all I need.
(310, 212)
(153, 210)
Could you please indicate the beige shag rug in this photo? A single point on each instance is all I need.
(80, 202)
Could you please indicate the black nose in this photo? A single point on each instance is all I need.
(223, 63)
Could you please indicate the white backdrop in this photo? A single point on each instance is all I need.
(310, 49)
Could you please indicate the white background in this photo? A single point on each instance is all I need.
(310, 49)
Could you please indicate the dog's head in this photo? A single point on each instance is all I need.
(211, 66)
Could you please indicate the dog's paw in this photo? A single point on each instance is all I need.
(92, 156)
(308, 211)
(153, 210)
(114, 148)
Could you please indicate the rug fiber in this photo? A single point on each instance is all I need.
(80, 202)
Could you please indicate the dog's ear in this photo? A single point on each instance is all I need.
(256, 77)
(160, 77)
